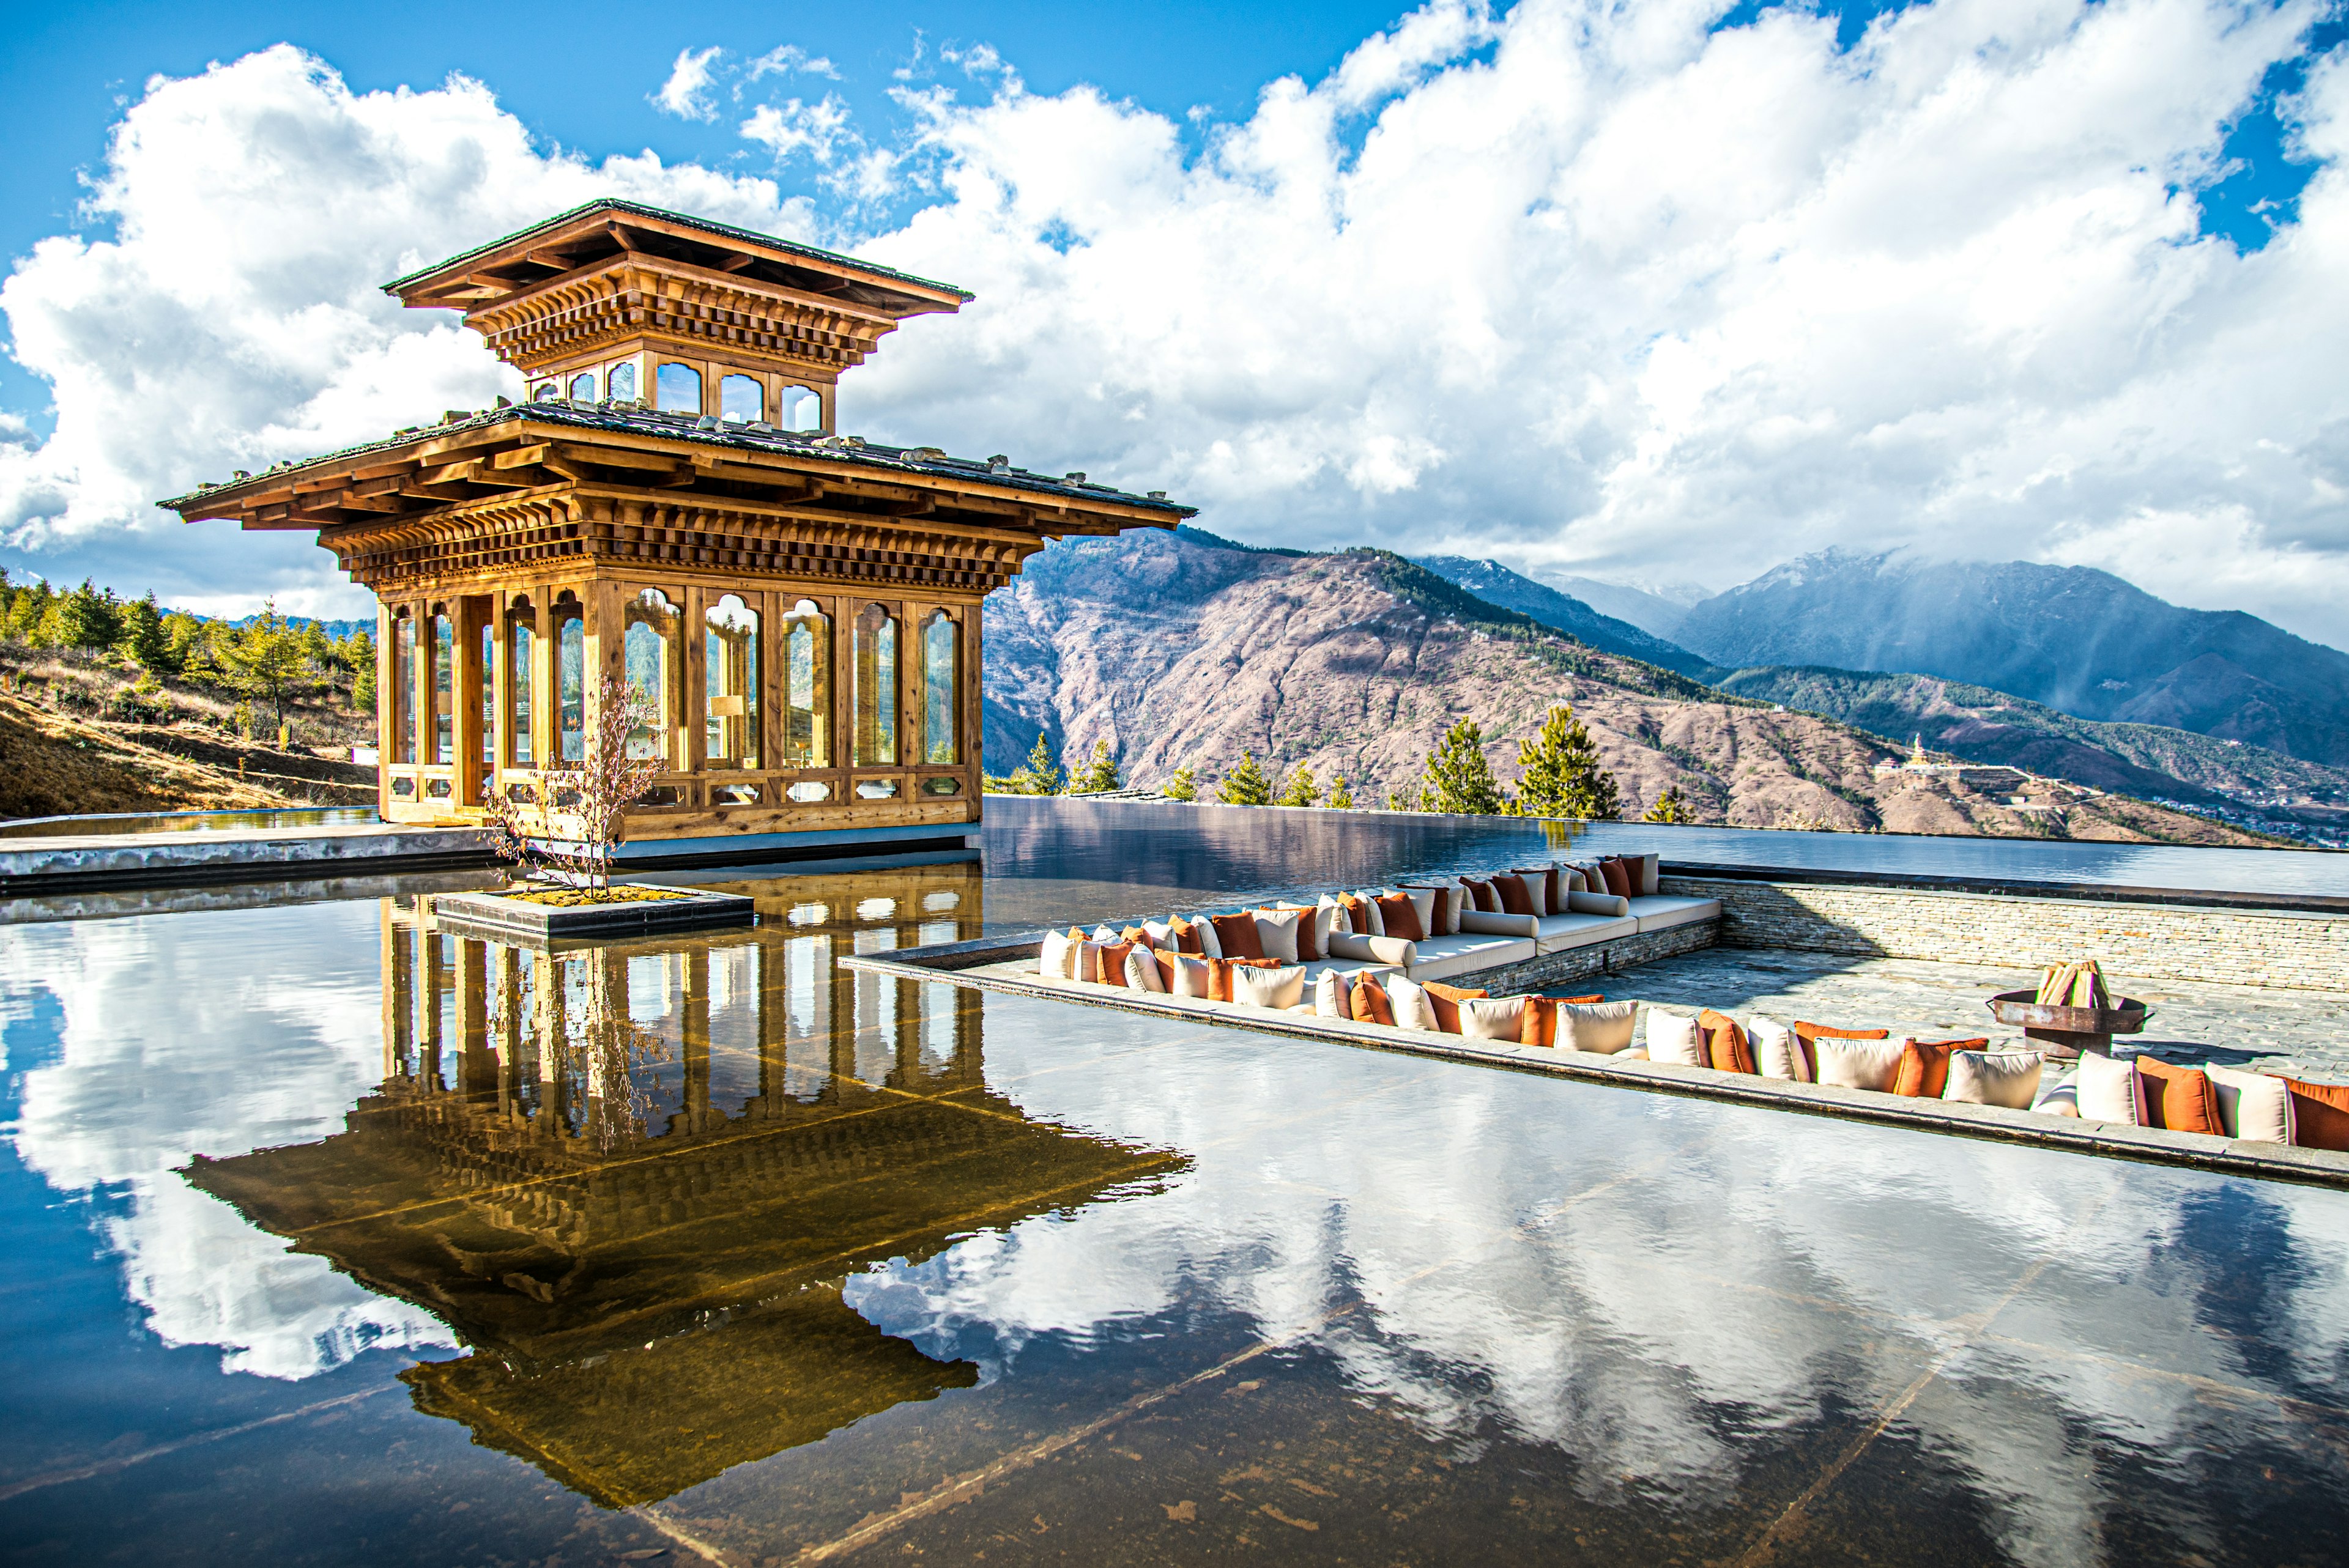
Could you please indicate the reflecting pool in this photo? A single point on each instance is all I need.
(335, 1237)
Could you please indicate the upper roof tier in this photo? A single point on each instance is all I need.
(613, 277)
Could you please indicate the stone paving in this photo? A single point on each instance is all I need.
(2302, 1032)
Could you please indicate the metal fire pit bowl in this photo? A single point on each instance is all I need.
(2067, 1031)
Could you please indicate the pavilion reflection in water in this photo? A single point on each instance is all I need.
(633, 1176)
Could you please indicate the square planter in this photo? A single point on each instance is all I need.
(496, 914)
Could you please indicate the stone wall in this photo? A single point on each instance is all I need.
(2181, 942)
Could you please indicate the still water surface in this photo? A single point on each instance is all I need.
(332, 1238)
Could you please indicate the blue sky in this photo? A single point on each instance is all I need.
(1661, 293)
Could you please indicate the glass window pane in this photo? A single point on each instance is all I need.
(403, 688)
(807, 687)
(546, 392)
(940, 650)
(873, 719)
(676, 389)
(444, 679)
(571, 680)
(624, 383)
(488, 695)
(798, 409)
(730, 660)
(522, 667)
(651, 653)
(582, 387)
(742, 398)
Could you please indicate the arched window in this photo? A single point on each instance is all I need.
(522, 646)
(872, 712)
(623, 384)
(731, 666)
(571, 679)
(403, 687)
(582, 387)
(546, 392)
(941, 687)
(444, 683)
(676, 389)
(798, 409)
(807, 687)
(651, 653)
(741, 399)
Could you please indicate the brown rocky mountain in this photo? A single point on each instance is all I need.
(1183, 649)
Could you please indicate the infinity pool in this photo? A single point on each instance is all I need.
(336, 1238)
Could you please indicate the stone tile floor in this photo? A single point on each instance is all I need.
(2303, 1033)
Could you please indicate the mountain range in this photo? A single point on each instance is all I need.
(1184, 650)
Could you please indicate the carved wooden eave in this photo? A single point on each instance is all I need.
(484, 496)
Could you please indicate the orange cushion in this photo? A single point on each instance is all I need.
(1727, 1049)
(1515, 897)
(1237, 932)
(1541, 1027)
(1165, 969)
(1446, 1000)
(2320, 1114)
(1186, 937)
(1113, 962)
(1481, 894)
(1370, 1003)
(1584, 1001)
(2182, 1099)
(1400, 917)
(1356, 920)
(1925, 1067)
(1821, 1032)
(1136, 935)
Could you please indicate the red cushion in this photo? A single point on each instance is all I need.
(1515, 897)
(1236, 934)
(1619, 878)
(1400, 917)
(1482, 895)
(2320, 1114)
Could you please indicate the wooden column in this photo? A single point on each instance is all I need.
(692, 752)
(420, 664)
(909, 694)
(465, 699)
(843, 696)
(502, 676)
(973, 739)
(545, 684)
(387, 709)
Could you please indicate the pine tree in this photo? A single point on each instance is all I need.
(1245, 785)
(1459, 778)
(1184, 786)
(1099, 774)
(1668, 807)
(1561, 775)
(1342, 794)
(1298, 789)
(88, 617)
(266, 659)
(363, 689)
(143, 643)
(1040, 775)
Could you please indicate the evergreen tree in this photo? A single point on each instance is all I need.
(1184, 786)
(88, 617)
(1561, 775)
(143, 641)
(265, 660)
(28, 609)
(1459, 778)
(1298, 789)
(363, 689)
(1099, 774)
(316, 647)
(1245, 785)
(1668, 807)
(1342, 794)
(1041, 775)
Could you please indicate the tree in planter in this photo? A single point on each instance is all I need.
(595, 792)
(1099, 774)
(1298, 789)
(1669, 807)
(1245, 785)
(1561, 776)
(1459, 778)
(1184, 786)
(1040, 775)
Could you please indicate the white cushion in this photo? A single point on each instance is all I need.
(1411, 1008)
(1335, 915)
(2010, 1078)
(1089, 963)
(1647, 874)
(1556, 933)
(1674, 1038)
(1276, 932)
(1058, 961)
(1208, 947)
(2109, 1090)
(1605, 904)
(1372, 925)
(2061, 1098)
(1604, 1027)
(1332, 995)
(1423, 903)
(1860, 1064)
(1660, 913)
(1142, 971)
(2252, 1106)
(1259, 987)
(1160, 933)
(1777, 1053)
(1448, 957)
(1491, 1018)
(1107, 936)
(1193, 977)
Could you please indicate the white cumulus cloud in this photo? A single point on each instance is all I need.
(1595, 289)
(687, 93)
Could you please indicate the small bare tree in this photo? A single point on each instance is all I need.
(596, 792)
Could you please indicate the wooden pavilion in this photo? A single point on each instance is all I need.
(673, 503)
